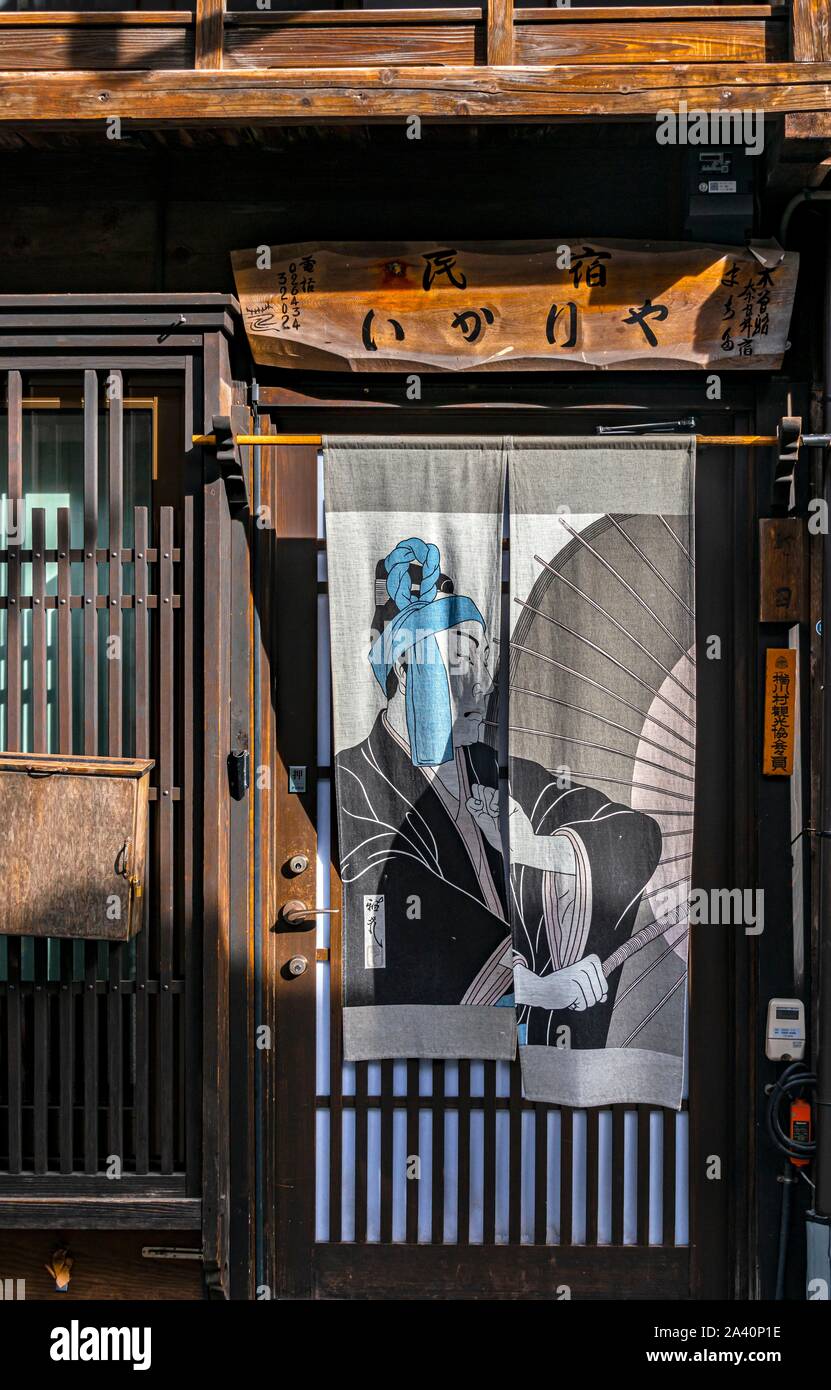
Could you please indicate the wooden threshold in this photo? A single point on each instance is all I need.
(515, 1272)
(260, 96)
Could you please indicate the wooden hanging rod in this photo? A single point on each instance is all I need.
(739, 441)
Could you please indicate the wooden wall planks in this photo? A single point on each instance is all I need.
(117, 49)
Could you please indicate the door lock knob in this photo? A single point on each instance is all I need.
(297, 965)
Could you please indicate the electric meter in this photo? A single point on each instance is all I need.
(785, 1033)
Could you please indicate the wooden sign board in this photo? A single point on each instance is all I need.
(539, 306)
(73, 847)
(783, 596)
(780, 711)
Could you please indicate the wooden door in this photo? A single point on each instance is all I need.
(439, 1179)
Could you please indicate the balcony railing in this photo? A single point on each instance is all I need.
(498, 34)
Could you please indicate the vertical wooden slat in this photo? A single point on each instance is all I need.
(618, 1150)
(15, 523)
(515, 1168)
(463, 1187)
(541, 1113)
(387, 1122)
(193, 1061)
(592, 1174)
(164, 831)
(293, 646)
(210, 21)
(500, 32)
(38, 630)
(90, 563)
(361, 1078)
(115, 669)
(489, 1155)
(64, 623)
(14, 1056)
(412, 1149)
(437, 1234)
(335, 1058)
(670, 1130)
(90, 625)
(115, 664)
(40, 1087)
(566, 1173)
(811, 30)
(141, 1085)
(66, 1007)
(643, 1175)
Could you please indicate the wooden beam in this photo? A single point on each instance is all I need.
(500, 41)
(111, 19)
(259, 97)
(210, 23)
(811, 31)
(646, 14)
(308, 19)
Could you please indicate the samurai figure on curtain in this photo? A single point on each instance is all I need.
(423, 828)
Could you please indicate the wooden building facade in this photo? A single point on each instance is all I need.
(174, 1109)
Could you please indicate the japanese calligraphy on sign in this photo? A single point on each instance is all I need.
(537, 306)
(780, 711)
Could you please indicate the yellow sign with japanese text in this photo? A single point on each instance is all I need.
(780, 711)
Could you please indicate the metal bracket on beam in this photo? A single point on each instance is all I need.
(789, 439)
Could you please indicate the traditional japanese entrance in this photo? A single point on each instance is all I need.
(439, 1179)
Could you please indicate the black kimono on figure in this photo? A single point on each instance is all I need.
(397, 839)
(620, 851)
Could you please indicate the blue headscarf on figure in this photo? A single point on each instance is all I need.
(413, 630)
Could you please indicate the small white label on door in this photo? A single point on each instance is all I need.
(721, 186)
(375, 932)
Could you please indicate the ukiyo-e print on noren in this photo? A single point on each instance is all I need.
(443, 951)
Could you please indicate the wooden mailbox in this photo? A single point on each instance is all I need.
(73, 843)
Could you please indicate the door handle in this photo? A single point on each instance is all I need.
(295, 912)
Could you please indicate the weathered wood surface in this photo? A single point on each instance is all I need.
(669, 41)
(252, 96)
(783, 570)
(53, 48)
(333, 45)
(73, 836)
(500, 30)
(461, 306)
(209, 25)
(37, 19)
(811, 25)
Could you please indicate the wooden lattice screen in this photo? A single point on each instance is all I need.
(100, 1044)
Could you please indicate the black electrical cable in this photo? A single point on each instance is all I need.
(793, 1080)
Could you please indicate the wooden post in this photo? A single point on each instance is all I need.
(210, 23)
(811, 31)
(500, 33)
